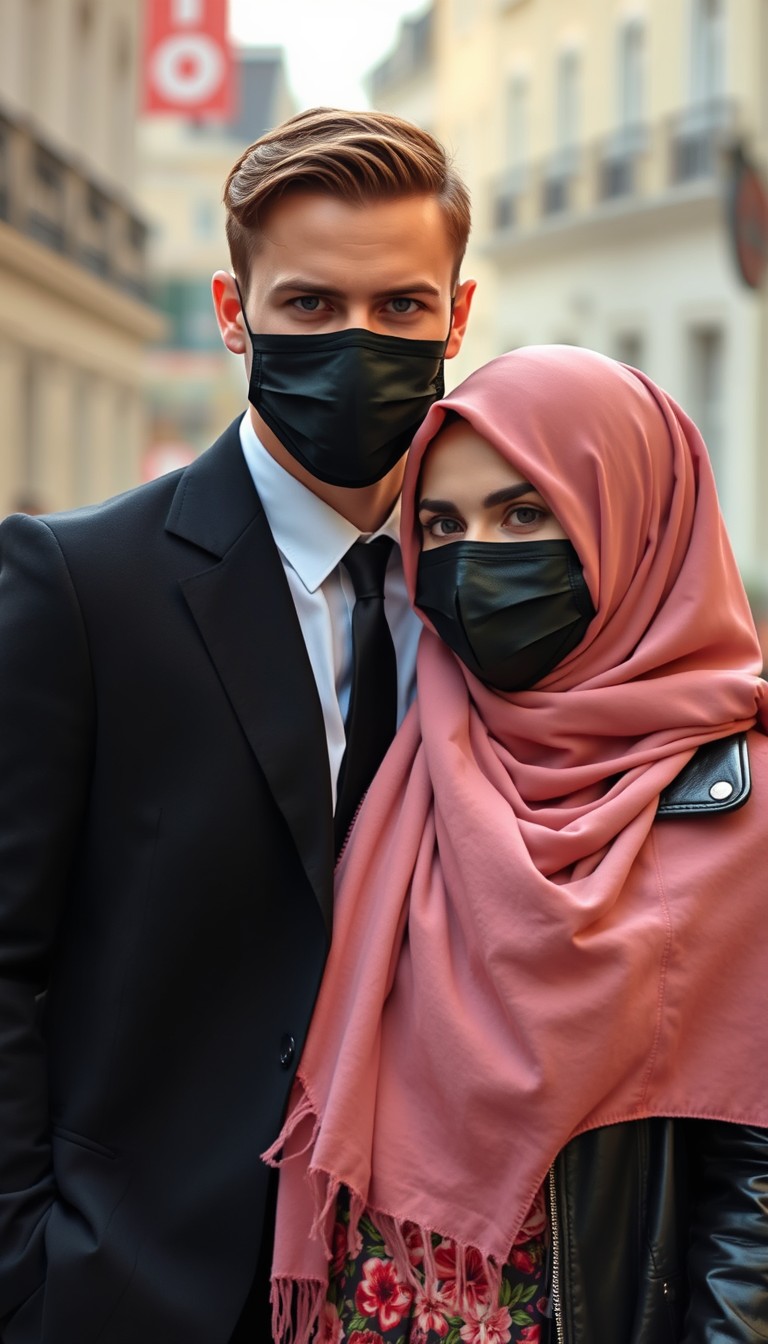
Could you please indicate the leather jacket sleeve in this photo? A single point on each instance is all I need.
(728, 1251)
(45, 744)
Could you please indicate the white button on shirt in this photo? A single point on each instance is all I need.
(312, 538)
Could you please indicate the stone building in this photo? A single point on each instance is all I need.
(599, 138)
(74, 316)
(194, 387)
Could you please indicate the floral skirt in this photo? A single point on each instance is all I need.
(368, 1303)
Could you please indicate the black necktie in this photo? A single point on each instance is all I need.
(372, 714)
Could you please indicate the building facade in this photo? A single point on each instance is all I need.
(193, 386)
(599, 139)
(74, 315)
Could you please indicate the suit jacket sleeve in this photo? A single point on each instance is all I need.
(728, 1255)
(46, 724)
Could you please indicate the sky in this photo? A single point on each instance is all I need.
(329, 44)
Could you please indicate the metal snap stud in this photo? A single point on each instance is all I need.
(722, 789)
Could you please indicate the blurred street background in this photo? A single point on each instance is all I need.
(616, 151)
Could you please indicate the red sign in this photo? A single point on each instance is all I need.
(188, 65)
(748, 219)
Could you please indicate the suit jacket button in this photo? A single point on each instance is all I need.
(287, 1050)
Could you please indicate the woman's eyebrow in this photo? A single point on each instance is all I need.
(496, 497)
(510, 492)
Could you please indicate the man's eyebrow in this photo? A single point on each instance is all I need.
(299, 283)
(496, 497)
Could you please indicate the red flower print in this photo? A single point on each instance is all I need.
(339, 1250)
(380, 1293)
(364, 1337)
(330, 1327)
(430, 1311)
(413, 1240)
(531, 1333)
(488, 1327)
(535, 1222)
(522, 1260)
(476, 1281)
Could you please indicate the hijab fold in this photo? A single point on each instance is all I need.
(520, 952)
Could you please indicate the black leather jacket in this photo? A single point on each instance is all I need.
(660, 1235)
(660, 1226)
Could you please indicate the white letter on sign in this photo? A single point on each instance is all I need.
(187, 13)
(188, 68)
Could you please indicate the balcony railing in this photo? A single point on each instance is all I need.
(54, 202)
(696, 138)
(618, 161)
(635, 162)
(557, 174)
(507, 192)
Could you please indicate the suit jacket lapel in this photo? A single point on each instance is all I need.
(244, 610)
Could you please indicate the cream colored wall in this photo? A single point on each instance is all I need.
(83, 342)
(659, 263)
(180, 175)
(80, 94)
(84, 435)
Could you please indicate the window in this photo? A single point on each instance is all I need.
(562, 166)
(706, 368)
(205, 218)
(516, 128)
(631, 90)
(511, 182)
(82, 73)
(82, 438)
(36, 51)
(122, 95)
(707, 50)
(568, 101)
(186, 303)
(32, 424)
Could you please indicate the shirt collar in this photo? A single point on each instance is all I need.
(310, 535)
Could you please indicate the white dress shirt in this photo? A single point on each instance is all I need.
(312, 538)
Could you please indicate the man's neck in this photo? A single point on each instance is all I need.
(366, 507)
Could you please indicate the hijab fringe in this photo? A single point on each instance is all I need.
(297, 1309)
(301, 1111)
(298, 1303)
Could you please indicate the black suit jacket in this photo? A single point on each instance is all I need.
(166, 854)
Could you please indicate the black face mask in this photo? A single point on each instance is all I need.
(511, 611)
(345, 405)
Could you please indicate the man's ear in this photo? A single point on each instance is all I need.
(460, 316)
(226, 303)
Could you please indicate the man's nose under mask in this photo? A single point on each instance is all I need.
(346, 404)
(511, 611)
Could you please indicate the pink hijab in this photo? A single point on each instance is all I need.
(519, 953)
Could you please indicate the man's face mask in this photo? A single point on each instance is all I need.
(345, 405)
(511, 611)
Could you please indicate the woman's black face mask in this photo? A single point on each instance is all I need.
(511, 611)
(346, 404)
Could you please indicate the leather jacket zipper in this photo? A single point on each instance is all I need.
(557, 1305)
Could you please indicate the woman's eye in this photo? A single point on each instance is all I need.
(525, 515)
(443, 527)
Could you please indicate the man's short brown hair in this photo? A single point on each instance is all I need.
(354, 156)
